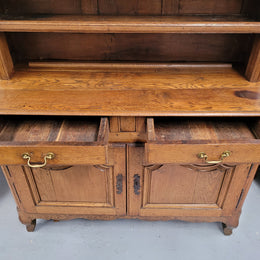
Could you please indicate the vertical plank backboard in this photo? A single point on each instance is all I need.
(89, 6)
(210, 7)
(170, 7)
(130, 7)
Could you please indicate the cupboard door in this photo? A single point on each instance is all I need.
(176, 190)
(79, 189)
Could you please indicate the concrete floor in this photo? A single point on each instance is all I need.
(129, 239)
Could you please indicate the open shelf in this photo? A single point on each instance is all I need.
(216, 90)
(129, 24)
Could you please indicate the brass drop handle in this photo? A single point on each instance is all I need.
(222, 157)
(48, 156)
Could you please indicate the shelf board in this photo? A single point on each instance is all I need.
(195, 91)
(129, 24)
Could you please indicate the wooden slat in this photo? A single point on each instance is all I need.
(177, 93)
(6, 62)
(253, 67)
(151, 24)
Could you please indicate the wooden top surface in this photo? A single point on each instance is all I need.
(171, 92)
(129, 24)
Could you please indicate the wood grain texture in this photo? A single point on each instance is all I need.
(89, 7)
(130, 7)
(41, 7)
(127, 124)
(188, 129)
(158, 189)
(6, 62)
(180, 141)
(44, 129)
(68, 195)
(74, 142)
(176, 184)
(221, 92)
(84, 185)
(83, 154)
(28, 47)
(157, 77)
(210, 7)
(253, 66)
(170, 7)
(124, 24)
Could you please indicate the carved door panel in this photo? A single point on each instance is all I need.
(79, 189)
(173, 190)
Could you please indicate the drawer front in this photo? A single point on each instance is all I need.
(189, 153)
(63, 154)
(53, 141)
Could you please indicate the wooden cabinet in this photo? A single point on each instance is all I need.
(84, 177)
(156, 117)
(165, 178)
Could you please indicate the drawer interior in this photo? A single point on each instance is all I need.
(200, 141)
(33, 129)
(208, 129)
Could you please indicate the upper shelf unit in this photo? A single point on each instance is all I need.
(129, 24)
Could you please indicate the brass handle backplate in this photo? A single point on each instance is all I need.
(204, 156)
(119, 183)
(48, 156)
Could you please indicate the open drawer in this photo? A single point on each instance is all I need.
(199, 141)
(38, 141)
